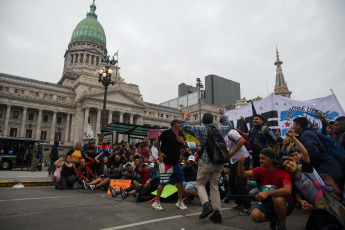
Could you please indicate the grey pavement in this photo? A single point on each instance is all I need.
(16, 175)
(43, 207)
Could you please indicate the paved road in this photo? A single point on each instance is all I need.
(43, 207)
(17, 175)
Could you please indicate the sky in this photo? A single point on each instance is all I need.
(164, 43)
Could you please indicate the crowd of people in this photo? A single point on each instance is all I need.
(297, 171)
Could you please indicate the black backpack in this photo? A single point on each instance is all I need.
(215, 146)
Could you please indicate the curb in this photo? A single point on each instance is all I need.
(26, 183)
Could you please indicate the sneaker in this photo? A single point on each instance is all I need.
(157, 206)
(245, 212)
(226, 200)
(206, 210)
(188, 200)
(93, 187)
(181, 205)
(85, 185)
(113, 192)
(237, 207)
(216, 218)
(124, 194)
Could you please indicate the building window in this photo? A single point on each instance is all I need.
(57, 136)
(22, 91)
(1, 88)
(31, 116)
(92, 60)
(87, 58)
(16, 90)
(0, 113)
(63, 98)
(97, 60)
(166, 116)
(76, 58)
(59, 98)
(50, 97)
(81, 58)
(44, 135)
(7, 89)
(59, 119)
(15, 114)
(28, 133)
(36, 94)
(13, 132)
(72, 59)
(45, 118)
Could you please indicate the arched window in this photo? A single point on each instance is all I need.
(76, 58)
(87, 58)
(81, 59)
(92, 59)
(72, 59)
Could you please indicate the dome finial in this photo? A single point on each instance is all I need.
(92, 10)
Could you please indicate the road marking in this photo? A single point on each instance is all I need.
(154, 220)
(37, 198)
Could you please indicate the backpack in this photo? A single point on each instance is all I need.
(248, 143)
(333, 148)
(215, 146)
(257, 144)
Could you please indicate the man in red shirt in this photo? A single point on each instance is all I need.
(276, 204)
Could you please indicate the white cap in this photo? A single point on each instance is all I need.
(191, 158)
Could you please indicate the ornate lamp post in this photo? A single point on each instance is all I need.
(200, 86)
(105, 79)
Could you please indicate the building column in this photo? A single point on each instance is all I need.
(86, 119)
(52, 130)
(73, 129)
(38, 124)
(7, 119)
(110, 119)
(67, 127)
(131, 116)
(98, 120)
(22, 126)
(121, 117)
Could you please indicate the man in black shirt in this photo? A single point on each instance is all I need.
(168, 145)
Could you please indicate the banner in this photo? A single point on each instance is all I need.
(279, 111)
(117, 184)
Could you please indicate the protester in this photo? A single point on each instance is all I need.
(189, 184)
(75, 154)
(34, 161)
(104, 148)
(323, 162)
(85, 172)
(304, 178)
(235, 145)
(69, 173)
(168, 145)
(207, 170)
(224, 190)
(276, 204)
(54, 156)
(261, 137)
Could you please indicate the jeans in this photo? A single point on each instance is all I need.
(209, 172)
(67, 182)
(238, 185)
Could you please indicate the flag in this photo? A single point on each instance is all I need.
(253, 108)
(279, 111)
(117, 53)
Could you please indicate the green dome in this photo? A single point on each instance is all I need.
(90, 29)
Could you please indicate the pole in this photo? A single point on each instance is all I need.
(104, 106)
(199, 106)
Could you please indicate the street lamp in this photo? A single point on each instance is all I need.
(199, 85)
(105, 79)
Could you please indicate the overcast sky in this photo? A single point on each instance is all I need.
(164, 43)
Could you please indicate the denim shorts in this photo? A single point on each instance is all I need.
(170, 174)
(191, 185)
(267, 207)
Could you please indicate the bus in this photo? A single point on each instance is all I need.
(14, 152)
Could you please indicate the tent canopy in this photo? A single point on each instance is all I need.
(128, 129)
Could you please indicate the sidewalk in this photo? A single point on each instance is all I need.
(8, 178)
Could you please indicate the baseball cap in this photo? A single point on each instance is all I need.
(128, 164)
(269, 152)
(153, 166)
(191, 158)
(175, 121)
(131, 143)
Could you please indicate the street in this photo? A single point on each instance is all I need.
(43, 207)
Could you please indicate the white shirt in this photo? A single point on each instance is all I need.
(154, 151)
(231, 141)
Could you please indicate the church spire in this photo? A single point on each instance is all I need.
(280, 87)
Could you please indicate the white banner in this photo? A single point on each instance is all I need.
(279, 111)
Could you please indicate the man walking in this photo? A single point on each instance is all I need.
(207, 170)
(168, 145)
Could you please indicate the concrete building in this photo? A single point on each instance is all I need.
(220, 91)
